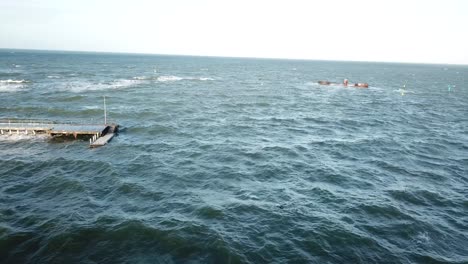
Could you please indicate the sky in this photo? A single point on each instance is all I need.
(421, 31)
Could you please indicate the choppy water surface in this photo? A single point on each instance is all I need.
(235, 161)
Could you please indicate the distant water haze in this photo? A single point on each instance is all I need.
(225, 160)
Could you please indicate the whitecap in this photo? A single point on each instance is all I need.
(173, 78)
(10, 88)
(11, 85)
(423, 238)
(78, 87)
(403, 91)
(13, 81)
(169, 78)
(91, 107)
(124, 83)
(206, 79)
(14, 136)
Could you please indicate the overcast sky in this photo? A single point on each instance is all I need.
(429, 31)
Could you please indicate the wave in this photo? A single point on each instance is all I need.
(21, 136)
(171, 78)
(12, 85)
(10, 89)
(124, 83)
(13, 81)
(141, 78)
(78, 87)
(206, 79)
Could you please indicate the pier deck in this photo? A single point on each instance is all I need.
(100, 134)
(107, 134)
(102, 140)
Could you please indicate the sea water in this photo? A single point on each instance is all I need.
(229, 160)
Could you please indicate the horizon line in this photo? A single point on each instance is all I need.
(226, 56)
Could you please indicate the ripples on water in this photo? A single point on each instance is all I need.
(235, 161)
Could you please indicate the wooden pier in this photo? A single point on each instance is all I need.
(99, 134)
(106, 136)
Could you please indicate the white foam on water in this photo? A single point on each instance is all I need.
(78, 87)
(124, 83)
(54, 77)
(206, 79)
(404, 91)
(169, 78)
(12, 85)
(92, 107)
(10, 88)
(422, 238)
(21, 136)
(13, 81)
(173, 78)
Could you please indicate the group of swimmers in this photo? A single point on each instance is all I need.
(345, 84)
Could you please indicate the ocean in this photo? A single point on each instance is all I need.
(234, 160)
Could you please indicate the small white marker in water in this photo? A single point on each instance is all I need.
(403, 90)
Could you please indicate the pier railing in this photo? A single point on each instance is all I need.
(29, 122)
(24, 121)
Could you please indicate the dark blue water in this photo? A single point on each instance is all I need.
(224, 160)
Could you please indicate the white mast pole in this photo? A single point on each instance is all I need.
(105, 112)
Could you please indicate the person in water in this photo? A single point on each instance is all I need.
(345, 82)
(362, 85)
(324, 82)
